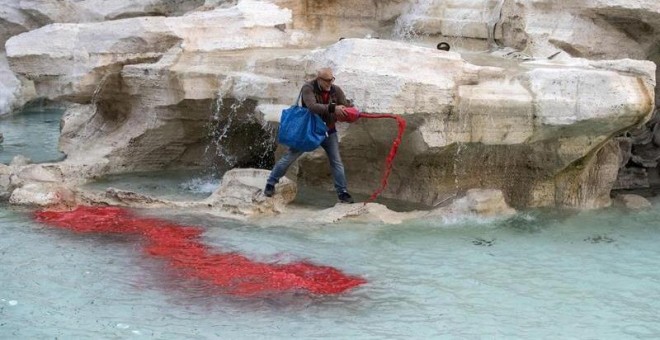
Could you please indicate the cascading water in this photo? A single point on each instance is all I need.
(455, 165)
(404, 27)
(217, 135)
(95, 100)
(237, 138)
(409, 26)
(495, 16)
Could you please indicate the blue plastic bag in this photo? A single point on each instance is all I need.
(300, 129)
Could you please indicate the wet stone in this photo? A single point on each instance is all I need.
(483, 242)
(599, 239)
(634, 202)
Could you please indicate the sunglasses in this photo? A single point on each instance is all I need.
(328, 80)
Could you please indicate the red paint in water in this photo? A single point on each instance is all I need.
(180, 246)
(390, 157)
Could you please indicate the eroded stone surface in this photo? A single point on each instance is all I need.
(536, 130)
(14, 92)
(43, 195)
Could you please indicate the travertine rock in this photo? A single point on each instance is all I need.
(43, 195)
(151, 89)
(634, 202)
(14, 92)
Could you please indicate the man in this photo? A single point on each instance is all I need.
(328, 101)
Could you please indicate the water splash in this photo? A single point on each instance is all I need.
(233, 121)
(269, 144)
(201, 185)
(218, 135)
(404, 27)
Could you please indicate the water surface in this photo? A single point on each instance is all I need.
(33, 133)
(541, 275)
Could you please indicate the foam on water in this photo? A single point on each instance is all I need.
(174, 185)
(200, 185)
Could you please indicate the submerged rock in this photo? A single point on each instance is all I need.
(20, 160)
(634, 202)
(5, 182)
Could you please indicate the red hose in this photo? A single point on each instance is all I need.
(393, 150)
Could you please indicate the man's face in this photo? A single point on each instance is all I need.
(326, 80)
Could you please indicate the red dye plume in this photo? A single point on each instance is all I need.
(180, 246)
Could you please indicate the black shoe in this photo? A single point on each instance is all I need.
(269, 191)
(345, 197)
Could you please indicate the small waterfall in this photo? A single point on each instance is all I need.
(96, 97)
(457, 161)
(217, 134)
(407, 26)
(495, 17)
(237, 137)
(404, 27)
(269, 144)
(99, 88)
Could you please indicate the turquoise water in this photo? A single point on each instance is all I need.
(33, 133)
(171, 184)
(539, 275)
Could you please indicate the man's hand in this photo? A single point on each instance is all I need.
(340, 113)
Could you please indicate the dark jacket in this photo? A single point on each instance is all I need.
(313, 100)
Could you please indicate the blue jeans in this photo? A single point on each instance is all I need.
(331, 146)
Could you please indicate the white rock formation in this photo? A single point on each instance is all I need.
(35, 13)
(13, 20)
(477, 204)
(149, 90)
(481, 126)
(49, 195)
(241, 193)
(10, 88)
(5, 181)
(70, 61)
(453, 18)
(599, 29)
